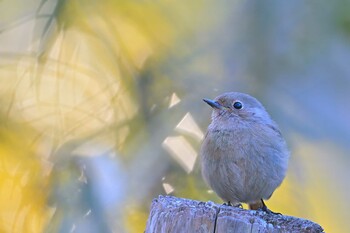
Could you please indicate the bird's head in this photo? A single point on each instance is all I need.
(235, 106)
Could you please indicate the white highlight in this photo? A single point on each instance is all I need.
(189, 125)
(181, 151)
(168, 188)
(174, 100)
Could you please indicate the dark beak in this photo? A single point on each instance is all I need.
(213, 103)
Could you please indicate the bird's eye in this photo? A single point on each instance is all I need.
(237, 105)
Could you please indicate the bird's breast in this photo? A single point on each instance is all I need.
(222, 144)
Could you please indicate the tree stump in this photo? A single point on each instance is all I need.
(171, 214)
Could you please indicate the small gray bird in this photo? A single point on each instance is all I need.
(244, 156)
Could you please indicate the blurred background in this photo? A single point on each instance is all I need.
(101, 105)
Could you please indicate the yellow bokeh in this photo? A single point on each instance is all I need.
(23, 185)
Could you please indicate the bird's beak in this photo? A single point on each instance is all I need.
(213, 103)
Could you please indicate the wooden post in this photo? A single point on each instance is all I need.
(176, 215)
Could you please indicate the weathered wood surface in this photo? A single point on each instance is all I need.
(171, 214)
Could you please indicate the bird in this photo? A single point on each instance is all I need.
(244, 156)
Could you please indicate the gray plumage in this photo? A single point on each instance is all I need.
(244, 156)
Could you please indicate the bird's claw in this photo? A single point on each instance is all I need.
(266, 210)
(227, 204)
(239, 205)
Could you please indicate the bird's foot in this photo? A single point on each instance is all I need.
(265, 209)
(239, 205)
(227, 204)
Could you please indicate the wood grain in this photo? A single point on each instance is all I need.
(171, 214)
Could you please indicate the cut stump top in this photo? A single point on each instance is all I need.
(171, 214)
